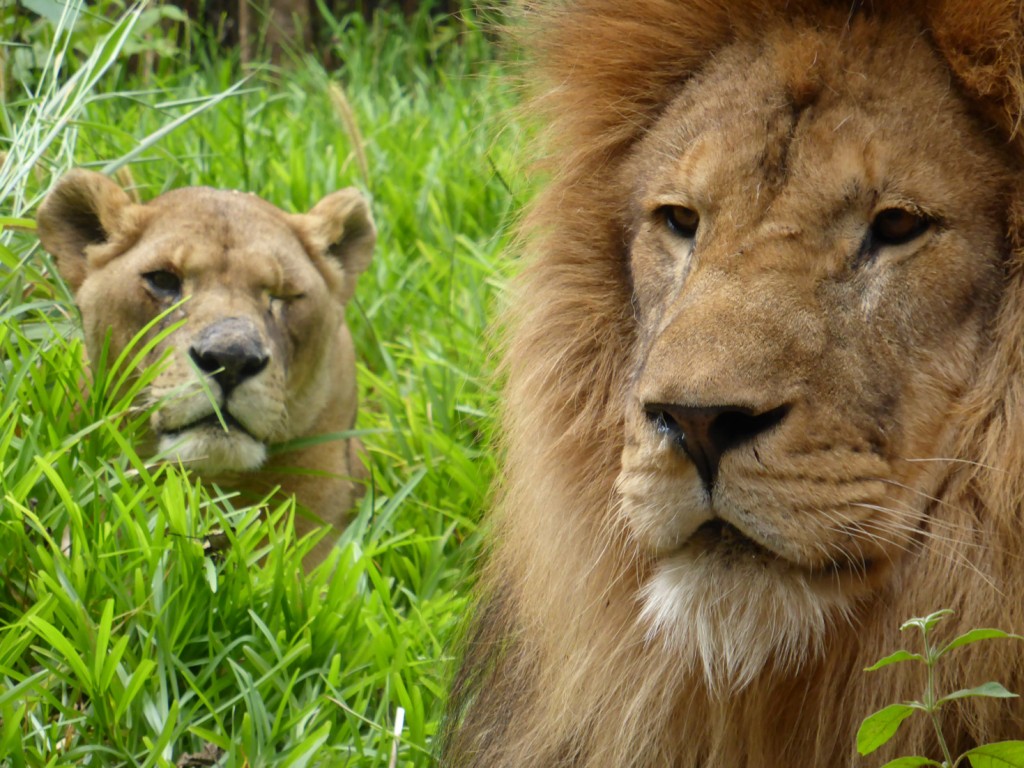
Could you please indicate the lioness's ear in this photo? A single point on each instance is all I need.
(340, 227)
(83, 209)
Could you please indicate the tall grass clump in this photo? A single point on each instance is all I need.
(145, 618)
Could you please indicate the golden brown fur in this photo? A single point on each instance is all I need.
(261, 294)
(647, 604)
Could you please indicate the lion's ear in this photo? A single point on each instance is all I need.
(340, 227)
(83, 209)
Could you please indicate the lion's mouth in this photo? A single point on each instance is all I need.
(726, 540)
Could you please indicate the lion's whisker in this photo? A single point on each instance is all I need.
(951, 460)
(871, 528)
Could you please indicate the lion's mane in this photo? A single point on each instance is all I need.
(556, 670)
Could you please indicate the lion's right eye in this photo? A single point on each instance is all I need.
(682, 221)
(163, 283)
(896, 226)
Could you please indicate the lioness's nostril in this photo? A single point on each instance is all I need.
(707, 432)
(230, 351)
(206, 363)
(254, 365)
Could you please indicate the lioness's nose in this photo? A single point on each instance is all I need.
(231, 351)
(705, 433)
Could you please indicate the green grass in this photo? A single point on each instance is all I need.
(123, 641)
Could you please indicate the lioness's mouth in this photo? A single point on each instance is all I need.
(224, 422)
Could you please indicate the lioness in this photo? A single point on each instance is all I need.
(765, 388)
(264, 356)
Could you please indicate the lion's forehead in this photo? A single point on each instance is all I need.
(785, 124)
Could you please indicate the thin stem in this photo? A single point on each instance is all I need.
(930, 699)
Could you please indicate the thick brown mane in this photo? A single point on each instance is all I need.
(556, 669)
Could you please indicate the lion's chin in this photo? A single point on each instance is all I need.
(731, 612)
(211, 450)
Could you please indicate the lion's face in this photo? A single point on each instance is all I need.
(764, 385)
(256, 296)
(813, 270)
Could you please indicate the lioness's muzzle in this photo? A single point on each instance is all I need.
(230, 351)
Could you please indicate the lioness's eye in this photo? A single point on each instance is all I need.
(279, 300)
(895, 226)
(163, 283)
(278, 304)
(681, 220)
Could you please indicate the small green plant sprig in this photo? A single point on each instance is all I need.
(878, 728)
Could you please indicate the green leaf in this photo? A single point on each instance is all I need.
(110, 666)
(172, 13)
(992, 690)
(48, 9)
(102, 639)
(309, 748)
(894, 658)
(14, 222)
(138, 680)
(62, 648)
(925, 623)
(910, 762)
(11, 739)
(979, 634)
(878, 728)
(211, 574)
(1001, 754)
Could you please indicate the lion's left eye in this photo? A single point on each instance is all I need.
(681, 220)
(896, 226)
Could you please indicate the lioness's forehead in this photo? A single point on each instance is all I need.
(203, 229)
(217, 215)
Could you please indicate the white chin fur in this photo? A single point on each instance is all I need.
(214, 451)
(730, 620)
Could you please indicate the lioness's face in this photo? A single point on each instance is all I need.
(256, 298)
(813, 273)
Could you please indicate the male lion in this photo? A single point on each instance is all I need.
(264, 356)
(765, 391)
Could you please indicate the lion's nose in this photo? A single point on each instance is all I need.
(231, 351)
(706, 433)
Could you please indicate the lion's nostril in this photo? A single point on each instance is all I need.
(662, 422)
(705, 433)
